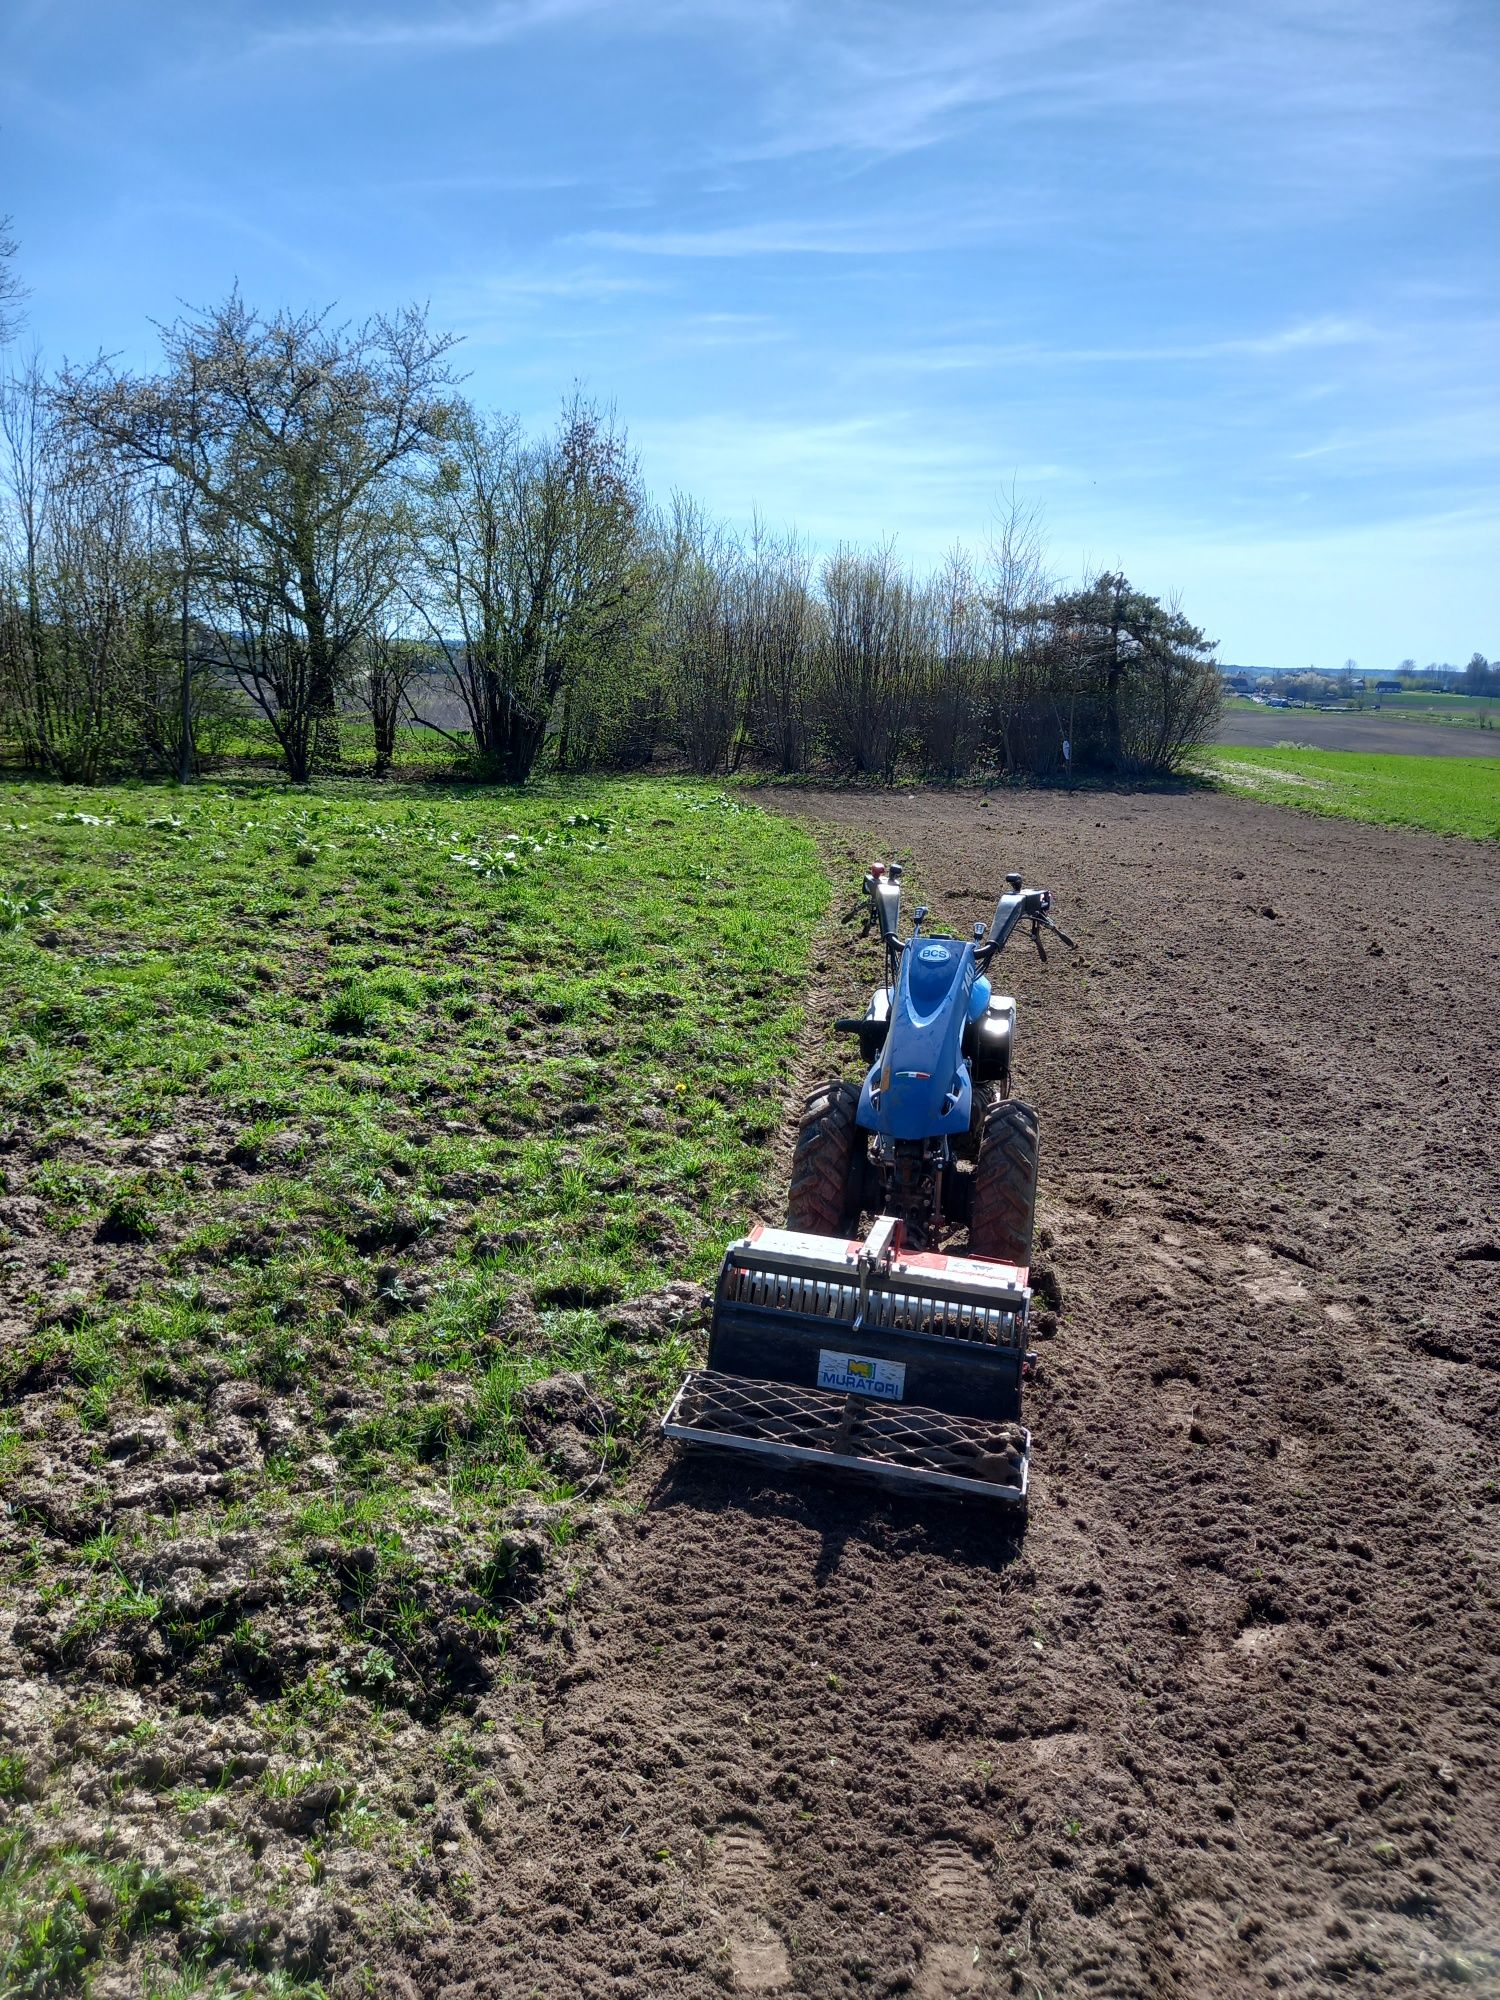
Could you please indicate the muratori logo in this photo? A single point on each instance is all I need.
(935, 954)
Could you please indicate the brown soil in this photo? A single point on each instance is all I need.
(1377, 732)
(1224, 1720)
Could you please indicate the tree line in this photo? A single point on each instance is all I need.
(300, 519)
(1480, 677)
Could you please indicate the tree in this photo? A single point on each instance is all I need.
(705, 616)
(956, 657)
(1148, 686)
(1176, 692)
(1480, 677)
(1029, 711)
(388, 664)
(11, 289)
(869, 659)
(84, 594)
(540, 572)
(784, 636)
(293, 436)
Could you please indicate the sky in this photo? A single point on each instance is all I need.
(1216, 288)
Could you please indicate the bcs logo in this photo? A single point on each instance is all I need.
(934, 954)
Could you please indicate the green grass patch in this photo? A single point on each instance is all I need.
(1435, 794)
(63, 1910)
(379, 1099)
(248, 738)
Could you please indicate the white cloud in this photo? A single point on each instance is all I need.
(1329, 331)
(1312, 93)
(839, 236)
(422, 32)
(492, 24)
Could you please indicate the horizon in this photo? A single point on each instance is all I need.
(1219, 297)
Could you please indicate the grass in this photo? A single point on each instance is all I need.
(451, 1007)
(1451, 795)
(379, 1100)
(64, 1910)
(417, 752)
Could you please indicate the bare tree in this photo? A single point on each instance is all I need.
(706, 614)
(1024, 712)
(1017, 576)
(955, 657)
(12, 291)
(389, 663)
(80, 633)
(870, 659)
(186, 694)
(784, 635)
(291, 433)
(539, 572)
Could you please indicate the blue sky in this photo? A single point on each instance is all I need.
(1218, 287)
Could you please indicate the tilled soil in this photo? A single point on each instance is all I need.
(1224, 1719)
(1378, 732)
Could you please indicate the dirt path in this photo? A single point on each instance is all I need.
(1225, 1722)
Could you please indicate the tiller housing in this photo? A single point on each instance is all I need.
(855, 1356)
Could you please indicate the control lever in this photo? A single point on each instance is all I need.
(1038, 925)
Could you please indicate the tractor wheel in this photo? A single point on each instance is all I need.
(985, 1095)
(828, 1167)
(1004, 1195)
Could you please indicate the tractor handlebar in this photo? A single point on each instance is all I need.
(1020, 905)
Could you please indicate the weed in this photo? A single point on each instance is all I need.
(318, 1697)
(18, 906)
(61, 1909)
(44, 1923)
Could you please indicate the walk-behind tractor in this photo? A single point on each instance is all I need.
(877, 1352)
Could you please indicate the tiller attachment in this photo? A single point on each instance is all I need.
(855, 1357)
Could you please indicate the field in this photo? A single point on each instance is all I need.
(1463, 711)
(1375, 732)
(361, 1637)
(1221, 1722)
(329, 1126)
(1436, 794)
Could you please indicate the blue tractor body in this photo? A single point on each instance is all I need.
(919, 1086)
(872, 1351)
